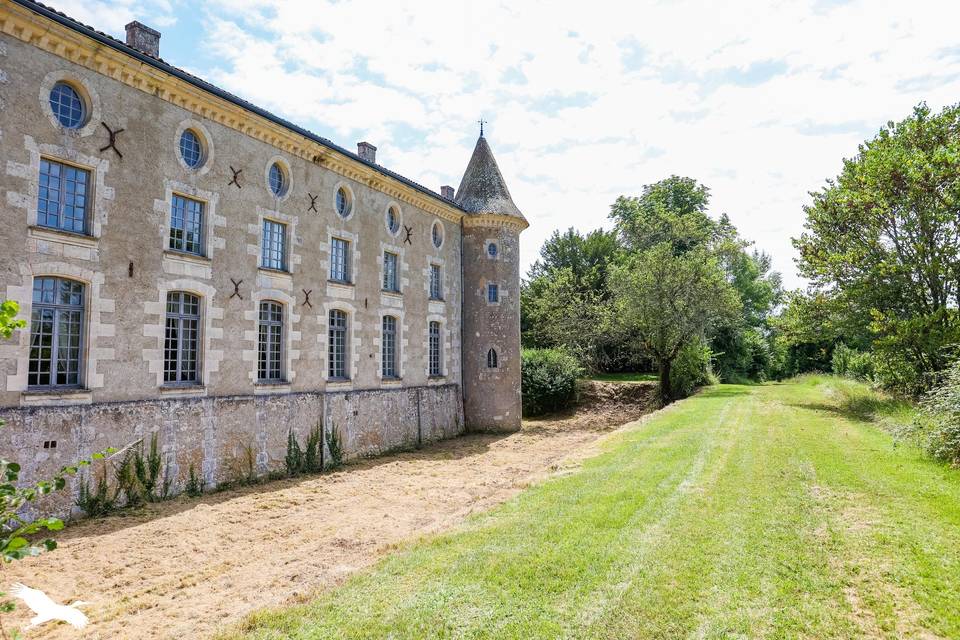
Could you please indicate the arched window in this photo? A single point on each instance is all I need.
(181, 347)
(270, 342)
(492, 249)
(67, 106)
(191, 149)
(436, 355)
(56, 333)
(492, 359)
(436, 234)
(337, 345)
(388, 347)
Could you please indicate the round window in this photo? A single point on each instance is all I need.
(191, 150)
(492, 249)
(278, 180)
(437, 234)
(343, 202)
(67, 105)
(393, 220)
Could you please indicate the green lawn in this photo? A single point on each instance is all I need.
(770, 511)
(624, 377)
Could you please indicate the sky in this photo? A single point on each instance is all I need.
(585, 101)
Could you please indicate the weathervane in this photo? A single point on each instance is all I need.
(482, 122)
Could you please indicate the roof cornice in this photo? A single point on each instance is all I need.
(495, 220)
(57, 34)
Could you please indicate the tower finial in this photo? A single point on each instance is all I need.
(482, 122)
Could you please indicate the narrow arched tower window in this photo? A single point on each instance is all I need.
(492, 359)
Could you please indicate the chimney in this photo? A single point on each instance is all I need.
(143, 38)
(447, 192)
(367, 151)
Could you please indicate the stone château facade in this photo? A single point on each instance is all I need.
(192, 266)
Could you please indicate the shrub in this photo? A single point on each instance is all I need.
(851, 363)
(294, 459)
(691, 369)
(194, 487)
(96, 502)
(335, 446)
(937, 425)
(549, 380)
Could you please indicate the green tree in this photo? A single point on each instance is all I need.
(672, 301)
(671, 210)
(883, 239)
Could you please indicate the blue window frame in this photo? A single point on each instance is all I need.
(63, 197)
(273, 253)
(186, 225)
(67, 105)
(278, 180)
(56, 333)
(339, 260)
(191, 150)
(391, 281)
(493, 293)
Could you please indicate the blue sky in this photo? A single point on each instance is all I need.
(585, 101)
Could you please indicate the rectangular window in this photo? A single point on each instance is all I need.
(389, 347)
(270, 342)
(390, 280)
(181, 346)
(436, 360)
(63, 197)
(339, 260)
(274, 251)
(337, 347)
(186, 225)
(493, 293)
(436, 283)
(56, 332)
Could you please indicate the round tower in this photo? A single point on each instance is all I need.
(491, 296)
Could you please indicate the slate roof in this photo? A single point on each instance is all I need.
(483, 189)
(158, 63)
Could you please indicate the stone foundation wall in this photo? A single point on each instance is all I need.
(214, 434)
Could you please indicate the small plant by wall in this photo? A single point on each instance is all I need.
(335, 446)
(307, 459)
(194, 487)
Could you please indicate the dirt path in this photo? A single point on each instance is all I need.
(184, 568)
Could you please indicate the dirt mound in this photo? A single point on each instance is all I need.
(602, 406)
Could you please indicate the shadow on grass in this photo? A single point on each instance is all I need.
(860, 407)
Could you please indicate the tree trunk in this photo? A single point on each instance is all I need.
(666, 393)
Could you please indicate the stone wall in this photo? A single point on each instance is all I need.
(213, 434)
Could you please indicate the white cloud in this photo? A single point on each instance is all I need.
(760, 101)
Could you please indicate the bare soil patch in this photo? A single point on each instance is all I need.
(184, 568)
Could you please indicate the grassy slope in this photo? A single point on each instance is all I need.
(762, 512)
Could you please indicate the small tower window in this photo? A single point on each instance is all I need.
(437, 234)
(191, 150)
(67, 106)
(492, 360)
(493, 293)
(492, 249)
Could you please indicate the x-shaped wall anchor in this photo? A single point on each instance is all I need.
(236, 289)
(236, 177)
(409, 231)
(112, 144)
(306, 295)
(313, 203)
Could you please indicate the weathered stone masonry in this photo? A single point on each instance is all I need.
(127, 268)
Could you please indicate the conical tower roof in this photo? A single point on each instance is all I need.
(483, 189)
